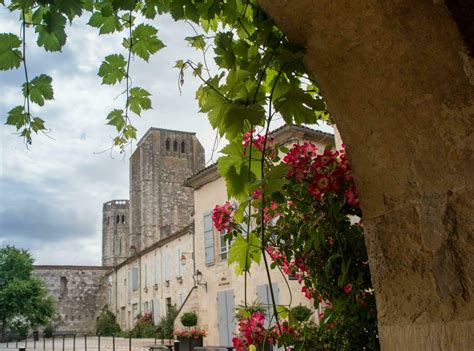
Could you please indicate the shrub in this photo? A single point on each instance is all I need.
(189, 319)
(106, 324)
(144, 328)
(166, 325)
(300, 313)
(48, 331)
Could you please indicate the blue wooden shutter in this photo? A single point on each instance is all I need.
(208, 239)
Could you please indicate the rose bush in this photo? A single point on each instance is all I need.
(305, 215)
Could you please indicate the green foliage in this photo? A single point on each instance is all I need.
(245, 310)
(10, 56)
(144, 41)
(244, 251)
(139, 100)
(112, 69)
(189, 319)
(51, 32)
(24, 300)
(300, 313)
(144, 328)
(106, 324)
(48, 331)
(166, 325)
(39, 89)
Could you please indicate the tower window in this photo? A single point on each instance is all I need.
(108, 220)
(167, 144)
(117, 219)
(175, 146)
(63, 283)
(123, 219)
(183, 147)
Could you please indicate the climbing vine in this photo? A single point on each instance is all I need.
(258, 76)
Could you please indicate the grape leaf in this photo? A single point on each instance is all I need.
(144, 41)
(51, 33)
(139, 100)
(106, 24)
(10, 56)
(17, 117)
(112, 69)
(116, 119)
(298, 106)
(244, 252)
(40, 89)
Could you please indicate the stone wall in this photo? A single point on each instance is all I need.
(398, 80)
(160, 204)
(80, 293)
(115, 232)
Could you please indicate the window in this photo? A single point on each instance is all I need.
(146, 276)
(175, 146)
(134, 278)
(120, 246)
(183, 147)
(63, 282)
(224, 245)
(157, 269)
(108, 220)
(117, 219)
(167, 144)
(145, 307)
(123, 219)
(208, 240)
(178, 263)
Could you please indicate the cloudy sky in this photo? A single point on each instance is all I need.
(51, 195)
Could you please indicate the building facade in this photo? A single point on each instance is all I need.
(160, 248)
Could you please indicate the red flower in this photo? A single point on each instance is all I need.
(347, 288)
(222, 217)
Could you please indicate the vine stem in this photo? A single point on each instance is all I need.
(272, 293)
(27, 81)
(128, 65)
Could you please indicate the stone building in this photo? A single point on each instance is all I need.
(115, 232)
(160, 204)
(80, 293)
(157, 244)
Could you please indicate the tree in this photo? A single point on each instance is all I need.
(23, 297)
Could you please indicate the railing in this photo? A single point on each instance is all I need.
(73, 342)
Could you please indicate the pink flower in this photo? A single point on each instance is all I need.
(347, 288)
(222, 217)
(257, 194)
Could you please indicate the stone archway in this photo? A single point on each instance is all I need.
(399, 81)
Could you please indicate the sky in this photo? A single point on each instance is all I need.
(51, 194)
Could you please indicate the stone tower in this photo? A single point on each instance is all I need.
(160, 203)
(115, 232)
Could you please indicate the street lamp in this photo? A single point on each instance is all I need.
(198, 279)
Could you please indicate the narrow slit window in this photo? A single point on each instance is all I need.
(123, 219)
(167, 144)
(183, 147)
(175, 146)
(117, 219)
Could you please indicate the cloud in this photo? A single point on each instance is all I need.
(51, 195)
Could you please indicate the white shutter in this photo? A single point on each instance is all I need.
(208, 239)
(156, 311)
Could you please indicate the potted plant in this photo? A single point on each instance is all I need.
(192, 336)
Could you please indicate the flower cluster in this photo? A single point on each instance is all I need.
(326, 172)
(294, 268)
(258, 141)
(251, 332)
(192, 333)
(222, 217)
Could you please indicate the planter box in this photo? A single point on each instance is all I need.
(188, 344)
